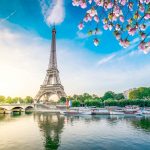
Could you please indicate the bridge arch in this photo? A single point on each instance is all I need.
(46, 96)
(17, 108)
(29, 107)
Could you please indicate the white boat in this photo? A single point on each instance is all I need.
(146, 111)
(116, 112)
(99, 111)
(132, 110)
(77, 111)
(85, 111)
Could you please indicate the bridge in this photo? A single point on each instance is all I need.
(8, 108)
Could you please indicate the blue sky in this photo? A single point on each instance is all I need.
(25, 45)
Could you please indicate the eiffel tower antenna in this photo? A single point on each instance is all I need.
(51, 85)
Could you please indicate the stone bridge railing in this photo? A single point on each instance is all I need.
(8, 108)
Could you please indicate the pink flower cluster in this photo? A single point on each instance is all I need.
(81, 3)
(81, 26)
(96, 42)
(124, 17)
(145, 47)
(124, 43)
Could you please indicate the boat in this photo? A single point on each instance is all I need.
(85, 111)
(132, 110)
(116, 112)
(77, 111)
(146, 111)
(70, 112)
(99, 111)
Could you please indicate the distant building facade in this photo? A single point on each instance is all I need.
(126, 93)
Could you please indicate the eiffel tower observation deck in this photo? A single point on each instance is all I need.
(51, 85)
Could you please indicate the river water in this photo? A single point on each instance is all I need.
(45, 131)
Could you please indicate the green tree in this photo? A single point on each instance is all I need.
(119, 96)
(16, 99)
(62, 100)
(9, 100)
(75, 103)
(28, 99)
(108, 95)
(140, 93)
(2, 99)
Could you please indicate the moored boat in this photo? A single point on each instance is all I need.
(85, 111)
(116, 112)
(132, 110)
(77, 111)
(100, 111)
(146, 111)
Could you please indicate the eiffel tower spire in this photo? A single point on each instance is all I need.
(53, 59)
(51, 84)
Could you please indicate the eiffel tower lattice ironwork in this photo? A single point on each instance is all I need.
(51, 84)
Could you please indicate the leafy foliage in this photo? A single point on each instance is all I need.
(112, 99)
(109, 95)
(140, 93)
(62, 99)
(10, 100)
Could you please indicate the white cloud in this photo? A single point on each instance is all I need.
(82, 35)
(53, 12)
(6, 18)
(106, 59)
(130, 51)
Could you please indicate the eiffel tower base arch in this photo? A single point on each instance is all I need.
(45, 94)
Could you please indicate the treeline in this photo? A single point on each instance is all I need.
(10, 100)
(139, 96)
(121, 103)
(140, 93)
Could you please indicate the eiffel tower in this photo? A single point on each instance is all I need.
(51, 85)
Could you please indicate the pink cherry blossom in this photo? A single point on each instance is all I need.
(110, 5)
(105, 21)
(147, 16)
(124, 43)
(81, 26)
(147, 1)
(131, 6)
(121, 18)
(143, 35)
(145, 47)
(105, 26)
(90, 1)
(92, 12)
(96, 18)
(87, 18)
(123, 2)
(75, 2)
(96, 42)
(83, 4)
(116, 10)
(99, 2)
(117, 27)
(142, 27)
(118, 36)
(132, 31)
(141, 8)
(110, 27)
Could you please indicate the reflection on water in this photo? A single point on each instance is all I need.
(45, 131)
(51, 126)
(143, 123)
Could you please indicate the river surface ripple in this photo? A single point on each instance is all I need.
(46, 131)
